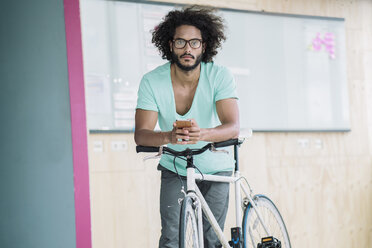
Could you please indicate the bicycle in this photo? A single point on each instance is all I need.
(262, 226)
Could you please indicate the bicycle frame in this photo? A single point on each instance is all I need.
(194, 192)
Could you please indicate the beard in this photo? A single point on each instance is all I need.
(176, 60)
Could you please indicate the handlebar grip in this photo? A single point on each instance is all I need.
(230, 142)
(147, 149)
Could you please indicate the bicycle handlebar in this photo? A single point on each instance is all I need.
(189, 151)
(147, 149)
(231, 142)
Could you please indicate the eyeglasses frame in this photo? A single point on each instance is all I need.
(187, 42)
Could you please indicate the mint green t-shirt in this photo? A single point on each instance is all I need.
(156, 93)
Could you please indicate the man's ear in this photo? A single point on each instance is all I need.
(204, 46)
(170, 45)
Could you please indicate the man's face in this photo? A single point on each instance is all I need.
(188, 57)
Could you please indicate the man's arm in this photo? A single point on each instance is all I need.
(228, 113)
(145, 135)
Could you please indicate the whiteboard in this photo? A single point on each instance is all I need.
(290, 70)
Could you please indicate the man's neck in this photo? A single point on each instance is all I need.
(185, 78)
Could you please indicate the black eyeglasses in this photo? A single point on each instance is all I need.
(181, 43)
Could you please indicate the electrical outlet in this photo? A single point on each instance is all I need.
(318, 143)
(304, 143)
(119, 145)
(98, 146)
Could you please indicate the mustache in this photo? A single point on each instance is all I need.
(186, 54)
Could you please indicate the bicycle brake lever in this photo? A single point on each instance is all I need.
(156, 156)
(213, 149)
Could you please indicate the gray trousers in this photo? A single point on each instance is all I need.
(216, 195)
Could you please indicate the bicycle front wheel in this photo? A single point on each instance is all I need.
(253, 230)
(188, 237)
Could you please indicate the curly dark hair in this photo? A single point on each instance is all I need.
(203, 18)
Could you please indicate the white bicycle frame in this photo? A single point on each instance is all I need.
(194, 192)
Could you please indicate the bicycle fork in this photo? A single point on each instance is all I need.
(191, 191)
(199, 213)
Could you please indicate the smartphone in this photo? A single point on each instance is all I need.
(183, 123)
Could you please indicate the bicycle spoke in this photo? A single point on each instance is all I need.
(190, 234)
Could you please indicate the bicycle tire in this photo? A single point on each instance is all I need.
(188, 236)
(253, 230)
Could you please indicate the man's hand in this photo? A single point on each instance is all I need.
(186, 135)
(193, 132)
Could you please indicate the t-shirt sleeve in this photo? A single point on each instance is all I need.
(225, 85)
(145, 97)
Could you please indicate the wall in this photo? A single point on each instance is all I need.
(36, 172)
(323, 189)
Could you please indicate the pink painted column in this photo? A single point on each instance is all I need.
(78, 123)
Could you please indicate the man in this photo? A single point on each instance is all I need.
(189, 86)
